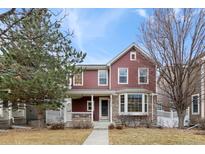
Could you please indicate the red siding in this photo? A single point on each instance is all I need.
(133, 66)
(90, 81)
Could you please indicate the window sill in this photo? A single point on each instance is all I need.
(134, 113)
(143, 83)
(195, 113)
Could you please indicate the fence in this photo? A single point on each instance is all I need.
(170, 119)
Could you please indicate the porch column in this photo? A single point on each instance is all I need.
(111, 108)
(92, 108)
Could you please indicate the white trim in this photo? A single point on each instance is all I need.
(119, 74)
(195, 113)
(111, 108)
(133, 53)
(110, 77)
(106, 78)
(140, 68)
(92, 111)
(100, 104)
(89, 101)
(82, 80)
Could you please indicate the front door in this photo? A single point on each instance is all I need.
(104, 109)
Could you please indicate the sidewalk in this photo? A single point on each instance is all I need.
(99, 135)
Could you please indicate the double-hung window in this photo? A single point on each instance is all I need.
(122, 75)
(78, 79)
(102, 77)
(143, 75)
(122, 103)
(195, 104)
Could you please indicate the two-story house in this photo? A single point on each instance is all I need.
(126, 85)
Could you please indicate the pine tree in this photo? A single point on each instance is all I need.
(37, 59)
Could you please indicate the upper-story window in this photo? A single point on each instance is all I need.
(143, 75)
(132, 55)
(122, 75)
(78, 79)
(195, 104)
(102, 77)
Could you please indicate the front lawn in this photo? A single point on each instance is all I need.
(155, 136)
(44, 136)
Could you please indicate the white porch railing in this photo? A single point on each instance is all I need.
(53, 116)
(20, 112)
(170, 119)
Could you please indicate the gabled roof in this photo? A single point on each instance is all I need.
(104, 66)
(126, 50)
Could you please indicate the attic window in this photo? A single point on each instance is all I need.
(132, 56)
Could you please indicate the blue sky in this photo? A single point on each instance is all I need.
(103, 33)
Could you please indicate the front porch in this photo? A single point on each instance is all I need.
(93, 108)
(104, 106)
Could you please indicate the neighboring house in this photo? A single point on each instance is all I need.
(124, 86)
(11, 114)
(196, 111)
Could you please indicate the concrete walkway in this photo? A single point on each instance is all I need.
(99, 136)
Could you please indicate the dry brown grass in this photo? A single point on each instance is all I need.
(44, 136)
(155, 136)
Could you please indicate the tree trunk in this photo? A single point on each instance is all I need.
(181, 117)
(40, 118)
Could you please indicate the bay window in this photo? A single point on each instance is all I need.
(122, 103)
(134, 104)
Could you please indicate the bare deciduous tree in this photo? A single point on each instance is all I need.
(176, 42)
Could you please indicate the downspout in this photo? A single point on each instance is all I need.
(152, 107)
(202, 90)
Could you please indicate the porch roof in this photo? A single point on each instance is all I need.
(88, 92)
(85, 92)
(134, 90)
